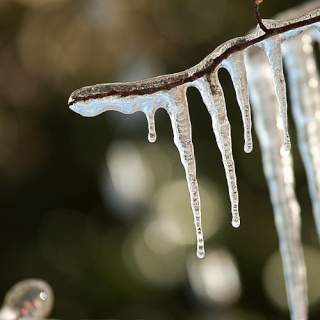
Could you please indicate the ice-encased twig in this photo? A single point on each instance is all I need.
(181, 126)
(213, 97)
(149, 95)
(204, 67)
(303, 81)
(277, 165)
(236, 68)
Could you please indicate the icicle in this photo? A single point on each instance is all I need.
(272, 48)
(152, 135)
(236, 68)
(181, 126)
(277, 165)
(305, 98)
(212, 95)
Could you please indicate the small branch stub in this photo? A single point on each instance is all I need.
(257, 15)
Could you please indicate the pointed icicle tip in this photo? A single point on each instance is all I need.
(181, 126)
(152, 135)
(236, 222)
(200, 253)
(248, 148)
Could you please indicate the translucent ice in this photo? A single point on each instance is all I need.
(169, 92)
(236, 68)
(181, 126)
(272, 48)
(212, 95)
(303, 80)
(277, 165)
(152, 136)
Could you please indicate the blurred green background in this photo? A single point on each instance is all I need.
(90, 206)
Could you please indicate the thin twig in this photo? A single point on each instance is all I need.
(256, 4)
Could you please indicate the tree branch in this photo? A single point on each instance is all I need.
(205, 67)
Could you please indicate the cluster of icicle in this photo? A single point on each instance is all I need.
(261, 73)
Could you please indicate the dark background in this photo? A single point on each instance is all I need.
(71, 216)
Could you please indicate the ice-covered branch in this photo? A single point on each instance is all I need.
(287, 29)
(169, 92)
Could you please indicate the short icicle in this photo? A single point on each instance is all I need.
(278, 169)
(304, 82)
(236, 68)
(272, 49)
(181, 126)
(212, 95)
(152, 135)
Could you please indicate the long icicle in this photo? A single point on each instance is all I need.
(277, 165)
(181, 126)
(272, 49)
(304, 80)
(213, 97)
(236, 68)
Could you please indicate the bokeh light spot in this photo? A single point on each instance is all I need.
(215, 279)
(68, 240)
(172, 203)
(274, 284)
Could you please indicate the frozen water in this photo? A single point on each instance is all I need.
(181, 126)
(272, 48)
(303, 80)
(277, 165)
(213, 97)
(152, 136)
(236, 68)
(269, 103)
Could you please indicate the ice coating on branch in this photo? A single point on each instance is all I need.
(169, 92)
(213, 97)
(303, 80)
(174, 101)
(272, 48)
(277, 165)
(181, 126)
(236, 68)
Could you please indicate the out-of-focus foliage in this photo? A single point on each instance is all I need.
(98, 212)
